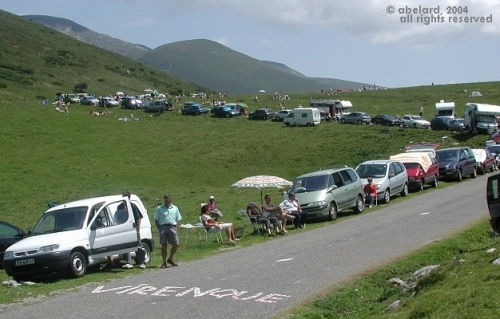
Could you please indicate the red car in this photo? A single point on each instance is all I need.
(485, 160)
(421, 167)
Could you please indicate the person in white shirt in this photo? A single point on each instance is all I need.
(292, 206)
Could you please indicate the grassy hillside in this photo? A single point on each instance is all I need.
(36, 62)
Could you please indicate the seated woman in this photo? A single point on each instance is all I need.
(254, 213)
(209, 222)
(271, 210)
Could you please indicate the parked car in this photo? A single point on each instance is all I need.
(225, 111)
(386, 119)
(456, 162)
(485, 160)
(324, 193)
(280, 115)
(415, 121)
(131, 102)
(110, 102)
(356, 118)
(262, 114)
(73, 236)
(440, 123)
(456, 125)
(194, 108)
(158, 106)
(9, 235)
(493, 201)
(89, 100)
(422, 169)
(390, 177)
(71, 98)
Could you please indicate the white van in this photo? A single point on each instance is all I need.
(73, 236)
(303, 116)
(481, 118)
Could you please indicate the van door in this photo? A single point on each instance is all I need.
(396, 178)
(493, 200)
(350, 187)
(111, 230)
(340, 193)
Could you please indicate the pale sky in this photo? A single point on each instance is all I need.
(351, 40)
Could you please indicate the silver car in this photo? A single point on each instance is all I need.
(389, 176)
(324, 193)
(456, 125)
(356, 118)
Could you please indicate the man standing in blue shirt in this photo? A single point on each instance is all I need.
(167, 216)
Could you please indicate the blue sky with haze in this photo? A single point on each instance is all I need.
(349, 40)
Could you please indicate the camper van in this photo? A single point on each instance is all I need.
(446, 109)
(481, 117)
(333, 107)
(303, 116)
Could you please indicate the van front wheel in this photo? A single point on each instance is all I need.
(77, 265)
(332, 212)
(360, 205)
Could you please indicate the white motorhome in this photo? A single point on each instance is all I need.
(303, 116)
(445, 109)
(481, 117)
(332, 107)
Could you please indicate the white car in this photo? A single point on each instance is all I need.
(280, 116)
(73, 236)
(415, 121)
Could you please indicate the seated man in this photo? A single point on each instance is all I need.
(270, 210)
(254, 213)
(209, 222)
(370, 190)
(292, 206)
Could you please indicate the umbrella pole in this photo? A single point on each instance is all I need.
(261, 201)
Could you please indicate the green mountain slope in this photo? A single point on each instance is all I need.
(205, 63)
(36, 62)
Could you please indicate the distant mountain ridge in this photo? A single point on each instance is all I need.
(205, 63)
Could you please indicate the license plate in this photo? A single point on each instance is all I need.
(23, 262)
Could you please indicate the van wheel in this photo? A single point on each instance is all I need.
(308, 124)
(459, 176)
(77, 265)
(332, 212)
(287, 123)
(360, 205)
(387, 196)
(342, 121)
(435, 182)
(147, 255)
(474, 173)
(359, 122)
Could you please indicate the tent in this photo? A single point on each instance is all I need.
(475, 93)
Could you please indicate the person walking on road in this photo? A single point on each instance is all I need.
(167, 217)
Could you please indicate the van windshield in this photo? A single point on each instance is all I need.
(61, 220)
(311, 183)
(372, 170)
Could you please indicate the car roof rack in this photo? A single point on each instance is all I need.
(333, 167)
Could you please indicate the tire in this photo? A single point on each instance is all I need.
(414, 125)
(435, 182)
(387, 196)
(492, 169)
(404, 192)
(265, 118)
(342, 121)
(360, 122)
(198, 113)
(160, 109)
(459, 176)
(20, 278)
(332, 212)
(483, 171)
(308, 124)
(183, 113)
(421, 186)
(287, 123)
(474, 173)
(360, 205)
(387, 124)
(77, 266)
(147, 255)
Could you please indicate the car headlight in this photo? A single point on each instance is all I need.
(318, 203)
(8, 255)
(378, 186)
(46, 249)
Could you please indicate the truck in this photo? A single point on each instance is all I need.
(481, 118)
(446, 109)
(332, 107)
(421, 167)
(303, 116)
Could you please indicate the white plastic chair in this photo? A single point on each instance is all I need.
(211, 230)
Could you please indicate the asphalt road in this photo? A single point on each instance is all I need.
(260, 281)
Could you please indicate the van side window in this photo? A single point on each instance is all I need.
(337, 179)
(352, 174)
(304, 114)
(463, 155)
(346, 177)
(392, 170)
